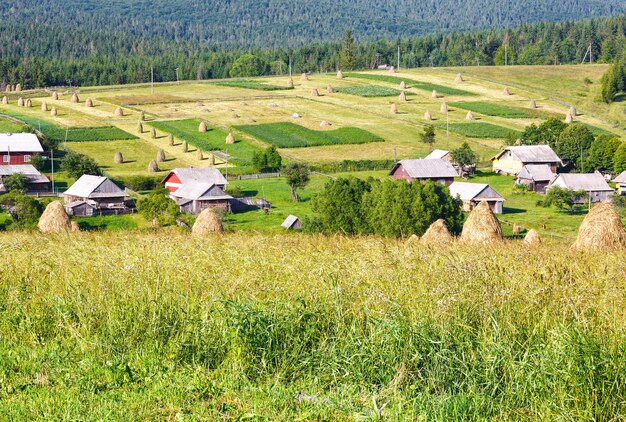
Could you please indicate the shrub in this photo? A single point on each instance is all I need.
(75, 165)
(15, 182)
(158, 205)
(23, 209)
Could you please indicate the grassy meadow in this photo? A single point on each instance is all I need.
(283, 327)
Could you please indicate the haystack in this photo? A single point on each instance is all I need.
(516, 228)
(44, 106)
(74, 227)
(392, 70)
(304, 77)
(394, 109)
(412, 240)
(601, 229)
(324, 123)
(55, 95)
(330, 89)
(532, 237)
(89, 102)
(54, 219)
(315, 93)
(437, 234)
(153, 167)
(20, 102)
(234, 116)
(18, 88)
(5, 100)
(339, 74)
(118, 158)
(140, 127)
(573, 111)
(444, 108)
(202, 127)
(469, 116)
(482, 226)
(569, 118)
(207, 223)
(212, 159)
(402, 85)
(29, 103)
(533, 104)
(160, 156)
(434, 94)
(230, 139)
(428, 116)
(153, 133)
(199, 155)
(272, 105)
(75, 98)
(185, 146)
(402, 96)
(296, 115)
(119, 112)
(290, 82)
(505, 91)
(171, 139)
(459, 78)
(8, 88)
(53, 112)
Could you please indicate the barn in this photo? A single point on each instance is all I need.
(94, 195)
(513, 158)
(536, 176)
(196, 189)
(436, 170)
(471, 194)
(593, 183)
(36, 181)
(18, 148)
(179, 177)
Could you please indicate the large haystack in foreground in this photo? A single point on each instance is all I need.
(208, 222)
(437, 234)
(54, 219)
(482, 226)
(601, 229)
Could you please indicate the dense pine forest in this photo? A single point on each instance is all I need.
(47, 50)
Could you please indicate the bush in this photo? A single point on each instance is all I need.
(16, 182)
(23, 209)
(75, 165)
(160, 206)
(139, 183)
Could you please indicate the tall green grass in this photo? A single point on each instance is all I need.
(479, 130)
(499, 110)
(412, 83)
(369, 91)
(290, 135)
(116, 326)
(251, 84)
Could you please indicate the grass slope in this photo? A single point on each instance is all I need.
(412, 83)
(306, 328)
(369, 91)
(479, 130)
(251, 84)
(499, 110)
(290, 135)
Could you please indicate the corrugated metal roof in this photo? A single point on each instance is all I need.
(621, 178)
(200, 191)
(20, 142)
(87, 184)
(206, 175)
(437, 154)
(582, 181)
(532, 154)
(537, 172)
(467, 191)
(289, 222)
(427, 169)
(27, 169)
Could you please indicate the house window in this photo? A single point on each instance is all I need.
(6, 158)
(27, 158)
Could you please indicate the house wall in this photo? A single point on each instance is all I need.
(172, 183)
(496, 206)
(507, 165)
(401, 173)
(196, 207)
(15, 158)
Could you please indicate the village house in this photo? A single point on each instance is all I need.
(437, 170)
(471, 194)
(593, 183)
(514, 158)
(36, 182)
(195, 189)
(620, 182)
(439, 154)
(94, 195)
(18, 148)
(536, 176)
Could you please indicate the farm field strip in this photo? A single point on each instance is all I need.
(412, 83)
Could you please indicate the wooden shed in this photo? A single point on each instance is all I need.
(536, 176)
(471, 194)
(437, 170)
(292, 223)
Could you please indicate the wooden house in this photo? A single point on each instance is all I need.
(513, 158)
(18, 148)
(196, 189)
(36, 182)
(437, 170)
(620, 182)
(292, 223)
(593, 183)
(94, 195)
(439, 154)
(536, 176)
(178, 177)
(471, 194)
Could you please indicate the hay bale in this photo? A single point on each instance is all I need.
(324, 123)
(459, 78)
(140, 127)
(339, 74)
(89, 102)
(469, 116)
(394, 109)
(208, 222)
(412, 240)
(437, 234)
(482, 226)
(199, 155)
(119, 112)
(315, 93)
(5, 100)
(230, 139)
(212, 159)
(402, 97)
(55, 95)
(234, 116)
(8, 88)
(290, 82)
(118, 158)
(153, 133)
(44, 106)
(402, 85)
(392, 70)
(533, 104)
(142, 117)
(202, 127)
(53, 111)
(171, 139)
(18, 88)
(532, 237)
(75, 98)
(20, 102)
(602, 229)
(54, 219)
(434, 94)
(505, 91)
(443, 108)
(74, 227)
(29, 103)
(185, 146)
(330, 89)
(516, 228)
(569, 118)
(153, 167)
(304, 77)
(428, 116)
(573, 111)
(160, 156)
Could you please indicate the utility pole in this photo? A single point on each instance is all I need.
(506, 55)
(290, 65)
(152, 78)
(447, 124)
(52, 164)
(177, 80)
(398, 56)
(395, 155)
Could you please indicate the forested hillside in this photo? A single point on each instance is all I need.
(52, 54)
